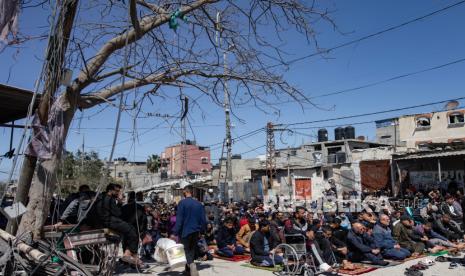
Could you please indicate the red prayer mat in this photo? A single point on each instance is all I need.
(357, 271)
(235, 258)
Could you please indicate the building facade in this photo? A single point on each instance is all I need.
(133, 174)
(186, 159)
(418, 130)
(304, 173)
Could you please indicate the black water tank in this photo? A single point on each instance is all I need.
(322, 135)
(338, 133)
(349, 132)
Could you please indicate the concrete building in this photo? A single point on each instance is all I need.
(307, 172)
(197, 160)
(133, 174)
(304, 173)
(418, 130)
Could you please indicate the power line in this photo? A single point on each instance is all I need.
(388, 80)
(343, 91)
(369, 114)
(378, 33)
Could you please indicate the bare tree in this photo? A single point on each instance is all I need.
(154, 44)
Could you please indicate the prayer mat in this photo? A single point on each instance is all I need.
(273, 269)
(440, 253)
(357, 271)
(235, 258)
(414, 258)
(391, 263)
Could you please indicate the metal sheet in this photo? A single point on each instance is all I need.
(429, 154)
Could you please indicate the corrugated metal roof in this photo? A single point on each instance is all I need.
(430, 154)
(14, 103)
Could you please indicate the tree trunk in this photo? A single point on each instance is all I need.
(24, 184)
(40, 197)
(41, 191)
(47, 168)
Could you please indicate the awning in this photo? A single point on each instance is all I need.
(429, 154)
(14, 103)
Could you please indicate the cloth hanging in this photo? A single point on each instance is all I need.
(48, 140)
(9, 14)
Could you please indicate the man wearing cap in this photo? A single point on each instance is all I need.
(190, 221)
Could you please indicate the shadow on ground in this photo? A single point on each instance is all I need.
(200, 267)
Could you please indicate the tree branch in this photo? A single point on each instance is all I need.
(146, 24)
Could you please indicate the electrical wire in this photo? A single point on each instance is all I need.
(33, 100)
(369, 36)
(369, 114)
(344, 91)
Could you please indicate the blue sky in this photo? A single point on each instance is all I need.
(427, 43)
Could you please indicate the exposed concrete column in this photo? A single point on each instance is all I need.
(439, 170)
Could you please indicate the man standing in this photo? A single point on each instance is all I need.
(190, 221)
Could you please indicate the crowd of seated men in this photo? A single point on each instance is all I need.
(330, 238)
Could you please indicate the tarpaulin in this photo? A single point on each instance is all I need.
(303, 189)
(375, 175)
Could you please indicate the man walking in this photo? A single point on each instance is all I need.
(190, 221)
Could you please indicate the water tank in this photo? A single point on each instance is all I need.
(322, 135)
(338, 133)
(349, 132)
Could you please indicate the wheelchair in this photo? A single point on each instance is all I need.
(297, 260)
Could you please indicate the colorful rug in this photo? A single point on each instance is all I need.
(368, 264)
(357, 271)
(235, 258)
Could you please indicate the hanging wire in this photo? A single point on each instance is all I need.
(39, 79)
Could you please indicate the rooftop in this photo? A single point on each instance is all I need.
(14, 103)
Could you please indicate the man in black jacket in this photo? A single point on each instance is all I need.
(277, 229)
(260, 246)
(360, 249)
(106, 213)
(134, 213)
(226, 240)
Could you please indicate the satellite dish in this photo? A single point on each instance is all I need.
(451, 105)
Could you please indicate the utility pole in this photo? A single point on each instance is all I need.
(289, 172)
(227, 108)
(185, 105)
(270, 156)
